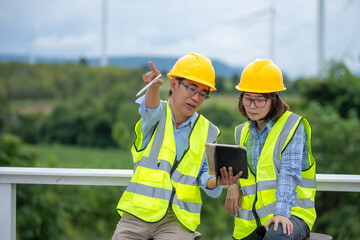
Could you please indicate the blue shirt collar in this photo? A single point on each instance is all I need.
(267, 127)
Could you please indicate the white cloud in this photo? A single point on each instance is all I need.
(233, 31)
(52, 44)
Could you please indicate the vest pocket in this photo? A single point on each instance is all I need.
(149, 184)
(151, 177)
(188, 193)
(146, 202)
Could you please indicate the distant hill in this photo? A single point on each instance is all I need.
(164, 64)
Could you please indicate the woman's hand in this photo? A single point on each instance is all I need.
(284, 221)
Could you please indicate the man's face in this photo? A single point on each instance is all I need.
(186, 98)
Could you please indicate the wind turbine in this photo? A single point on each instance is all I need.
(272, 24)
(320, 36)
(104, 60)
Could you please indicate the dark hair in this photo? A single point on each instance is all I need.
(278, 106)
(177, 78)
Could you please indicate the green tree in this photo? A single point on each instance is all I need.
(339, 89)
(37, 218)
(335, 145)
(220, 84)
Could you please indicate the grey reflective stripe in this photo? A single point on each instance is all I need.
(213, 132)
(159, 135)
(304, 203)
(269, 209)
(184, 179)
(145, 190)
(307, 183)
(153, 164)
(261, 186)
(238, 132)
(267, 185)
(248, 190)
(188, 206)
(136, 164)
(245, 214)
(237, 142)
(280, 143)
(266, 210)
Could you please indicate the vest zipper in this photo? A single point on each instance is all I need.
(257, 219)
(176, 163)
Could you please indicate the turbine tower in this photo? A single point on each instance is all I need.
(320, 36)
(104, 60)
(272, 33)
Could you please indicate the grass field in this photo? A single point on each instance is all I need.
(61, 156)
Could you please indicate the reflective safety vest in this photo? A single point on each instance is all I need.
(259, 191)
(160, 182)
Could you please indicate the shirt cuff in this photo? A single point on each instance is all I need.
(213, 193)
(283, 208)
(144, 110)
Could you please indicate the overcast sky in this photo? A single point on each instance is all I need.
(233, 31)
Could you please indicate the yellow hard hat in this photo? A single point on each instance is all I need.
(261, 76)
(195, 67)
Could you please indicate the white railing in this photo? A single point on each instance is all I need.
(10, 176)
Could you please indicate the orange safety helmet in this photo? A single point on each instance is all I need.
(195, 67)
(261, 76)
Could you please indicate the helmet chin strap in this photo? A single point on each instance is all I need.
(271, 114)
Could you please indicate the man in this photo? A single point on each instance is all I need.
(163, 199)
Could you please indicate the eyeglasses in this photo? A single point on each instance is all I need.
(258, 102)
(193, 91)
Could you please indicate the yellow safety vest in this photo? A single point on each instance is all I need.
(259, 192)
(159, 181)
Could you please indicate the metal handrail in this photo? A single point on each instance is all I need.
(10, 176)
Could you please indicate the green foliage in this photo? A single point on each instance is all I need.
(4, 112)
(36, 216)
(220, 84)
(90, 101)
(235, 81)
(14, 153)
(337, 212)
(336, 151)
(81, 123)
(87, 212)
(27, 126)
(95, 107)
(225, 118)
(335, 146)
(339, 89)
(215, 223)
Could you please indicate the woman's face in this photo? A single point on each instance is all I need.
(256, 106)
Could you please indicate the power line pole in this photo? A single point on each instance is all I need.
(104, 60)
(320, 36)
(272, 25)
(31, 59)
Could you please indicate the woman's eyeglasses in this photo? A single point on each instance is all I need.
(258, 102)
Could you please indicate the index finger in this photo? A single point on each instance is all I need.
(239, 174)
(152, 67)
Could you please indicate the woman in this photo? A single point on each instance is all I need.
(277, 200)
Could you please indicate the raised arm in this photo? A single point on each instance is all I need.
(152, 95)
